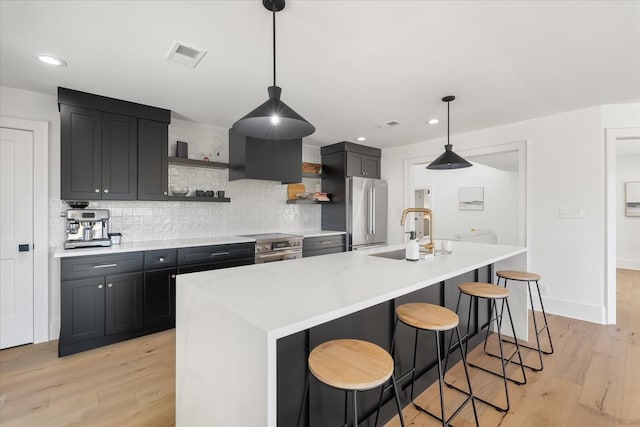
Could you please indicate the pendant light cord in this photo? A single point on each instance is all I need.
(448, 123)
(273, 8)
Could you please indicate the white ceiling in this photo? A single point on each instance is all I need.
(346, 66)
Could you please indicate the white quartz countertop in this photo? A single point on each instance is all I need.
(150, 246)
(287, 297)
(174, 243)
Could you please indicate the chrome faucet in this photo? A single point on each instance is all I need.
(430, 247)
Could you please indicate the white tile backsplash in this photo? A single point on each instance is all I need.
(256, 206)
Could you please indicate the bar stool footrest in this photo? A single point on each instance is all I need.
(547, 352)
(513, 380)
(486, 402)
(452, 416)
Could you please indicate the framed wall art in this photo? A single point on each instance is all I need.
(471, 199)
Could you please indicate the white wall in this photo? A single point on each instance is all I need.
(500, 213)
(256, 206)
(627, 227)
(565, 168)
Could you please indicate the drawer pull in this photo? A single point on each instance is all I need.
(326, 242)
(219, 253)
(161, 259)
(100, 286)
(110, 285)
(105, 265)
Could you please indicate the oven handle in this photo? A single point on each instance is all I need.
(281, 256)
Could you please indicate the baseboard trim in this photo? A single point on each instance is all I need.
(628, 264)
(572, 309)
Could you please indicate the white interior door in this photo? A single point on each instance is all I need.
(16, 237)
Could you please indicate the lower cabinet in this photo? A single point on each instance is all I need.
(110, 298)
(99, 307)
(323, 245)
(160, 299)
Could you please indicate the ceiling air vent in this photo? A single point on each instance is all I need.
(388, 124)
(186, 55)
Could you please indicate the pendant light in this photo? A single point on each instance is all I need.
(449, 159)
(274, 120)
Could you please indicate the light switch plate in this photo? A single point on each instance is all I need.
(572, 213)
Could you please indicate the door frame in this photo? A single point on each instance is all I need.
(40, 131)
(612, 137)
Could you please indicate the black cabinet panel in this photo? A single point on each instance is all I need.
(124, 303)
(80, 153)
(82, 309)
(160, 298)
(324, 242)
(326, 405)
(292, 370)
(213, 254)
(153, 166)
(119, 157)
(100, 265)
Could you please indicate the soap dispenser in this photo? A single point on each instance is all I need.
(412, 251)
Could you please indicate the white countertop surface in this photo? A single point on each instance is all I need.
(173, 243)
(150, 246)
(299, 294)
(228, 321)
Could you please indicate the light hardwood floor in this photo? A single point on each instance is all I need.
(593, 379)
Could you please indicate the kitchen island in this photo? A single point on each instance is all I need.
(243, 333)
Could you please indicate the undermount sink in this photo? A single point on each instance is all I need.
(398, 254)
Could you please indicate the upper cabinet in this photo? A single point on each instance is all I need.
(111, 149)
(346, 159)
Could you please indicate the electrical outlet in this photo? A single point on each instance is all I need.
(572, 213)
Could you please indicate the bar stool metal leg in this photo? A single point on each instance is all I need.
(538, 347)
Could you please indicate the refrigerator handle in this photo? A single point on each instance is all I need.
(373, 211)
(370, 216)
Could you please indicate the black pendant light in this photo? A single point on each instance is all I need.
(449, 159)
(274, 119)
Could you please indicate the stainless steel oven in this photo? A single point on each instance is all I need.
(277, 247)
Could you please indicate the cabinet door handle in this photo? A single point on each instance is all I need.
(165, 193)
(110, 285)
(219, 253)
(100, 286)
(97, 190)
(104, 265)
(173, 276)
(106, 190)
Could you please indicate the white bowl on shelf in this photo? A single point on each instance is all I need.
(179, 190)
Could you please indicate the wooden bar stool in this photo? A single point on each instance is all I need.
(493, 293)
(524, 276)
(430, 317)
(352, 365)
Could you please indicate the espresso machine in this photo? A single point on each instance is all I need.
(87, 228)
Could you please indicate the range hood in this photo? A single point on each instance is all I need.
(271, 160)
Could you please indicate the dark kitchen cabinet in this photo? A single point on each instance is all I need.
(362, 165)
(160, 299)
(80, 153)
(153, 160)
(111, 149)
(101, 306)
(323, 245)
(160, 269)
(98, 155)
(119, 157)
(124, 303)
(109, 298)
(82, 310)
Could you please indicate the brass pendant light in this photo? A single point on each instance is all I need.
(448, 159)
(274, 120)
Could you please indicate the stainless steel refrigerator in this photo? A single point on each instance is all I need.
(366, 212)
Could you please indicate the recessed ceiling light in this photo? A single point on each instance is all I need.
(433, 121)
(52, 60)
(362, 138)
